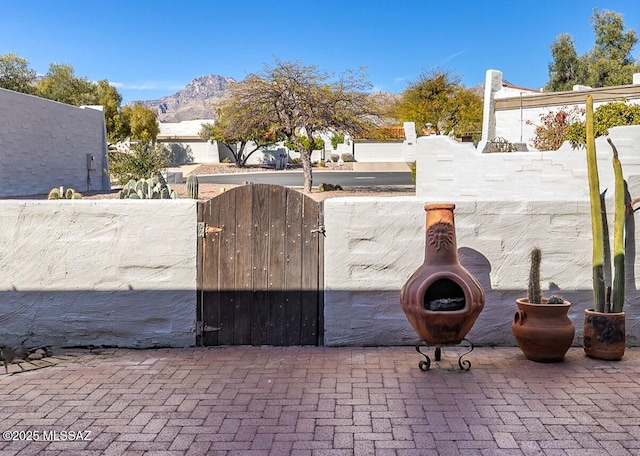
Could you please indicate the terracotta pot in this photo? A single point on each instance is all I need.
(544, 332)
(604, 335)
(441, 300)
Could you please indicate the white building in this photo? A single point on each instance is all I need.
(512, 112)
(184, 137)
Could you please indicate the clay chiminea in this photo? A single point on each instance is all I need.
(441, 299)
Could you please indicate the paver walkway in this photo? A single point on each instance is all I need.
(323, 401)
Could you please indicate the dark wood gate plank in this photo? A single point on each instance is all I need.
(278, 206)
(260, 258)
(309, 273)
(244, 264)
(293, 262)
(211, 281)
(226, 267)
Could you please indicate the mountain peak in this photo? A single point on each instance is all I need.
(198, 100)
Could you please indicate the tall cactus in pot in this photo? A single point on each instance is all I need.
(603, 302)
(604, 332)
(596, 213)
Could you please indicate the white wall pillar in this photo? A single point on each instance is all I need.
(492, 83)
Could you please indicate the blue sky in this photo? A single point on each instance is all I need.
(149, 49)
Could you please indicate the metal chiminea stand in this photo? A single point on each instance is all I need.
(442, 300)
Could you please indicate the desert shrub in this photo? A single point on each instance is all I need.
(142, 161)
(347, 157)
(413, 172)
(550, 134)
(335, 157)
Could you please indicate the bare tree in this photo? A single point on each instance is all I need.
(297, 100)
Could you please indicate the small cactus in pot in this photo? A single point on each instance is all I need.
(534, 291)
(541, 326)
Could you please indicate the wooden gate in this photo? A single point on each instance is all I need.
(261, 269)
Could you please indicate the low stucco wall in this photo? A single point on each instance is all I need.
(98, 272)
(456, 171)
(379, 152)
(373, 246)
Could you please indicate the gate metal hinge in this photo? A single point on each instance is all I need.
(201, 328)
(204, 229)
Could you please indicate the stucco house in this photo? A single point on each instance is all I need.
(46, 144)
(512, 112)
(183, 137)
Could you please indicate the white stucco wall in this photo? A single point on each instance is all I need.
(458, 172)
(45, 145)
(373, 246)
(379, 152)
(98, 272)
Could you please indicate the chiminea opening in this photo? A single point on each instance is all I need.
(444, 295)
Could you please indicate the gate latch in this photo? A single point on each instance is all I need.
(201, 328)
(204, 229)
(320, 230)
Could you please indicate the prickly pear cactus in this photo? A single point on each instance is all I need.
(146, 189)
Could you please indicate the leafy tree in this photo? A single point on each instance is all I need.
(318, 143)
(336, 139)
(110, 99)
(61, 84)
(137, 122)
(298, 100)
(15, 74)
(142, 161)
(566, 67)
(236, 128)
(610, 62)
(550, 134)
(438, 98)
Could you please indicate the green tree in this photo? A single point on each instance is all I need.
(336, 139)
(439, 99)
(15, 74)
(62, 85)
(318, 143)
(566, 67)
(610, 62)
(239, 130)
(110, 99)
(137, 122)
(298, 100)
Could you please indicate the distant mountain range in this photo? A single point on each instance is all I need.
(197, 100)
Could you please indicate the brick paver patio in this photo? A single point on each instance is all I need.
(311, 401)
